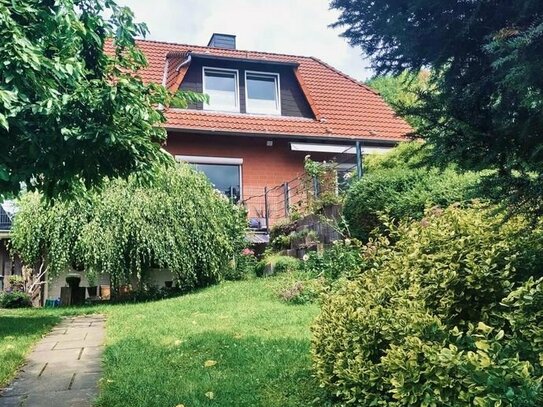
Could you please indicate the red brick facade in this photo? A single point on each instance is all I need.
(263, 165)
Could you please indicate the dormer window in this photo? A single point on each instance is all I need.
(262, 93)
(221, 85)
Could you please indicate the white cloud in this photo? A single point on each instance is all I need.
(285, 26)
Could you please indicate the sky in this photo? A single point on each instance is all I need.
(297, 27)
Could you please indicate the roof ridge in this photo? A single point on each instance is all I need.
(223, 49)
(341, 73)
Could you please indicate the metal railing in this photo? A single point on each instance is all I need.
(271, 204)
(5, 220)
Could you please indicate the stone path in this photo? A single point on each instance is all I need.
(63, 369)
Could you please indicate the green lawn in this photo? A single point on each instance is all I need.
(256, 349)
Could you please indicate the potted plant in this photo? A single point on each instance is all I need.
(168, 284)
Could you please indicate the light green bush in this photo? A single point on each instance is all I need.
(449, 315)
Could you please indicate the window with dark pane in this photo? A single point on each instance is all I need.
(225, 178)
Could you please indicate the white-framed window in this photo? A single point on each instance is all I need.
(262, 92)
(223, 172)
(222, 87)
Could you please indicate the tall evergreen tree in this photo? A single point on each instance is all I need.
(484, 105)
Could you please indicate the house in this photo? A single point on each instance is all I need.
(266, 112)
(9, 265)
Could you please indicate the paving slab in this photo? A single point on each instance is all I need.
(63, 369)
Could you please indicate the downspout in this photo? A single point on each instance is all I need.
(185, 62)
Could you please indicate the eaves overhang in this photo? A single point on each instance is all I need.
(246, 133)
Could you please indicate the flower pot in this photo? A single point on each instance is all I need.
(73, 280)
(92, 291)
(168, 284)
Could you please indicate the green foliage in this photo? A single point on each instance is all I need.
(70, 112)
(281, 242)
(401, 92)
(302, 291)
(398, 184)
(448, 315)
(16, 283)
(342, 259)
(276, 264)
(178, 222)
(285, 264)
(482, 107)
(15, 299)
(243, 267)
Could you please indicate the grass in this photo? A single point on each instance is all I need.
(231, 345)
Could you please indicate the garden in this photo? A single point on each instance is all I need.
(431, 293)
(438, 303)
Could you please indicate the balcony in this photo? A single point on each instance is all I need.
(5, 220)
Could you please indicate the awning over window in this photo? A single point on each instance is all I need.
(336, 148)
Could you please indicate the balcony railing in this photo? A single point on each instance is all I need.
(5, 220)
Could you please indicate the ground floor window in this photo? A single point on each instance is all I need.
(224, 173)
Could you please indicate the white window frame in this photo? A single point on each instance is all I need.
(235, 108)
(200, 159)
(275, 112)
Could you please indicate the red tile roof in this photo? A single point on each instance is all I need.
(343, 107)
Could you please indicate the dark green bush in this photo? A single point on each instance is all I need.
(398, 185)
(450, 315)
(15, 299)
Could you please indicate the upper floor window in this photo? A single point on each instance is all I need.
(221, 85)
(262, 93)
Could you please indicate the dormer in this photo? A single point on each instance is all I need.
(237, 84)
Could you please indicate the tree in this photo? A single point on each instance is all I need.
(70, 113)
(178, 221)
(401, 92)
(483, 107)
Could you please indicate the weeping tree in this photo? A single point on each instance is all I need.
(178, 222)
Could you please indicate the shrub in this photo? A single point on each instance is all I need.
(243, 267)
(448, 315)
(276, 264)
(16, 283)
(302, 292)
(398, 185)
(15, 299)
(286, 264)
(342, 259)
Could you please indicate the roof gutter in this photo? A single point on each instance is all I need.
(241, 133)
